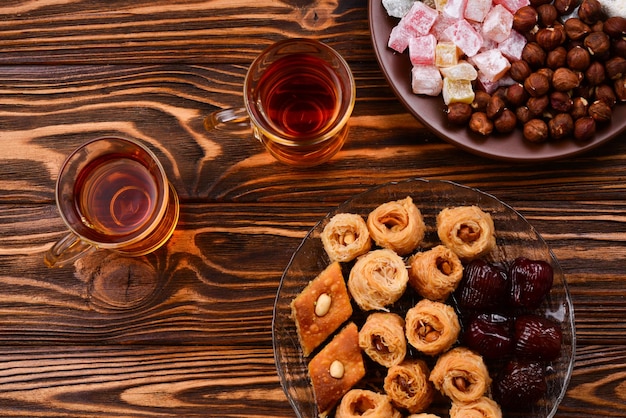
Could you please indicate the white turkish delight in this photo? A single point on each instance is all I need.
(426, 79)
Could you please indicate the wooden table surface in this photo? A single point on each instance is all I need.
(186, 331)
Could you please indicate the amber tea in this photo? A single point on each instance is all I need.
(113, 193)
(298, 96)
(115, 196)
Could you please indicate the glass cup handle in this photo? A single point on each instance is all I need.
(234, 120)
(68, 249)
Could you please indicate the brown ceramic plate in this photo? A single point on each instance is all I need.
(430, 110)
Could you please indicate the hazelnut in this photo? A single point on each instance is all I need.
(516, 94)
(547, 14)
(537, 84)
(560, 101)
(590, 11)
(538, 105)
(619, 87)
(600, 111)
(605, 94)
(561, 126)
(481, 98)
(598, 43)
(535, 130)
(619, 47)
(579, 107)
(565, 7)
(556, 58)
(495, 106)
(534, 55)
(549, 38)
(576, 29)
(615, 67)
(459, 113)
(506, 122)
(615, 27)
(523, 115)
(565, 79)
(525, 19)
(584, 128)
(595, 73)
(519, 71)
(480, 123)
(578, 58)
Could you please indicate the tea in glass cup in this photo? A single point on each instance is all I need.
(113, 194)
(298, 95)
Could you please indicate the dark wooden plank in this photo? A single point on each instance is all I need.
(124, 31)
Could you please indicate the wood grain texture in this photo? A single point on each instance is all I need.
(186, 331)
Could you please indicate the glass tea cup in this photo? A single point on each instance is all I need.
(113, 193)
(298, 96)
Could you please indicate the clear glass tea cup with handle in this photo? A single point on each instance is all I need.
(298, 97)
(113, 193)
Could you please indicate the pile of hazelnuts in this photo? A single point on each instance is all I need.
(571, 75)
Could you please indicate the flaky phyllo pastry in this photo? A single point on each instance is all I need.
(321, 308)
(435, 273)
(466, 230)
(408, 387)
(482, 408)
(382, 338)
(336, 369)
(432, 327)
(365, 403)
(461, 375)
(397, 225)
(345, 237)
(378, 279)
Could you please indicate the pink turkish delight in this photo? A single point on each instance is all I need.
(419, 19)
(422, 50)
(442, 23)
(425, 79)
(399, 39)
(476, 10)
(512, 5)
(491, 65)
(455, 8)
(497, 24)
(513, 46)
(463, 35)
(491, 86)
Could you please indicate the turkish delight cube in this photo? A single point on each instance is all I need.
(397, 8)
(457, 91)
(498, 23)
(442, 23)
(462, 71)
(492, 64)
(491, 86)
(476, 10)
(422, 50)
(419, 19)
(512, 5)
(463, 35)
(455, 8)
(513, 46)
(446, 54)
(399, 39)
(426, 79)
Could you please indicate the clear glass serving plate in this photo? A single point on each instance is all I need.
(514, 236)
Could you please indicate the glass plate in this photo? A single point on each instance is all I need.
(514, 236)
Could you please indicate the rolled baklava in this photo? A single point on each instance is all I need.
(461, 375)
(435, 273)
(345, 237)
(366, 403)
(397, 225)
(466, 230)
(431, 327)
(382, 338)
(482, 408)
(408, 387)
